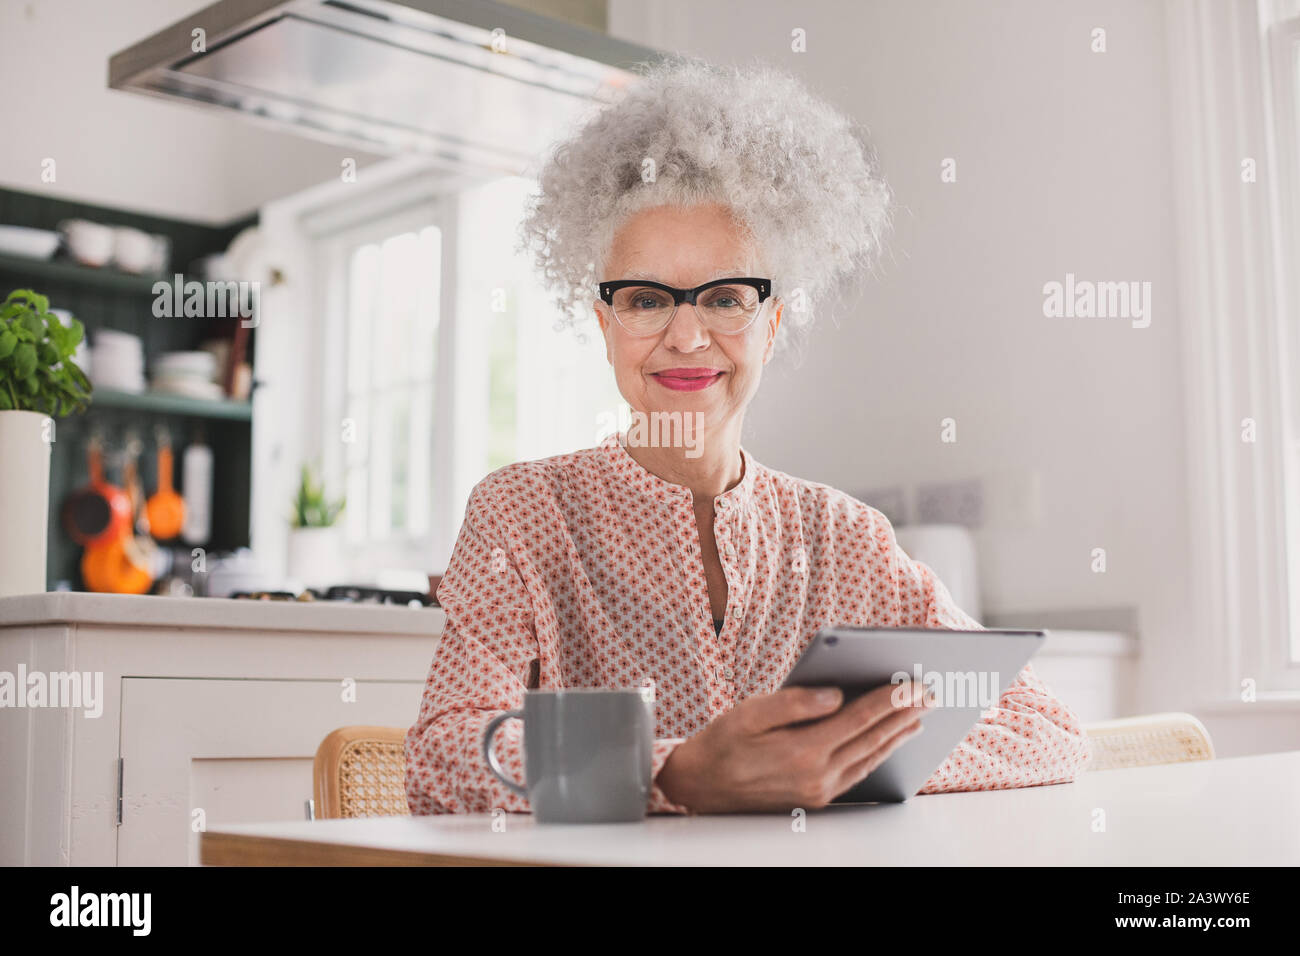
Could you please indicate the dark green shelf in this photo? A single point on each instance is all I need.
(171, 404)
(64, 271)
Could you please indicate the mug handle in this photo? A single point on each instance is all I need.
(491, 758)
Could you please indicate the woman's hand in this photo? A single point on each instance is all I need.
(750, 758)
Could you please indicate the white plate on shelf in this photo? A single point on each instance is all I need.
(188, 388)
(28, 243)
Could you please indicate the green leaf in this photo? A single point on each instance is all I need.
(5, 404)
(76, 332)
(33, 324)
(7, 342)
(78, 375)
(25, 360)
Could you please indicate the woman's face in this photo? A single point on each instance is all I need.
(684, 248)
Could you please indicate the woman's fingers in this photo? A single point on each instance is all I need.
(865, 712)
(789, 705)
(869, 758)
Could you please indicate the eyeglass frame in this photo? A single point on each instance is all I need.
(607, 290)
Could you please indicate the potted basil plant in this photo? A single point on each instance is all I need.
(316, 558)
(39, 382)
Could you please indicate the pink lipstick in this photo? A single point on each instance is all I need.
(687, 379)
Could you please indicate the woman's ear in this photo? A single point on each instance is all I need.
(604, 330)
(773, 324)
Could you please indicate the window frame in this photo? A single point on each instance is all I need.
(336, 230)
(1234, 290)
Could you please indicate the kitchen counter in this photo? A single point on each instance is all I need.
(78, 607)
(176, 713)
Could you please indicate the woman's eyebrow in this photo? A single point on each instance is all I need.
(720, 274)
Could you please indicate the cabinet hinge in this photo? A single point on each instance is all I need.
(121, 762)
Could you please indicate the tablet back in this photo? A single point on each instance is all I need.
(967, 670)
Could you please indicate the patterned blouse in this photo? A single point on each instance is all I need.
(585, 570)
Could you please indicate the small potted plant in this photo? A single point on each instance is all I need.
(38, 383)
(315, 548)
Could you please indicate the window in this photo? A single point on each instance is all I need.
(388, 415)
(448, 365)
(525, 390)
(1285, 65)
(1237, 135)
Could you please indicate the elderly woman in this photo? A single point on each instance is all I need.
(695, 216)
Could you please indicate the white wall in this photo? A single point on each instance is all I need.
(123, 149)
(1063, 166)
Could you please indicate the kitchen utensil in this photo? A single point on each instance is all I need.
(117, 567)
(197, 464)
(165, 509)
(123, 563)
(98, 512)
(28, 243)
(141, 551)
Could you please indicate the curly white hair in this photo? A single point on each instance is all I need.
(800, 175)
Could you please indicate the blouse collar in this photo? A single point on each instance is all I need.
(651, 485)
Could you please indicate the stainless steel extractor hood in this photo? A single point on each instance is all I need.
(480, 84)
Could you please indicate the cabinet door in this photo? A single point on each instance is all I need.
(239, 751)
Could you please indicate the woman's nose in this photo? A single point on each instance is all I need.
(686, 332)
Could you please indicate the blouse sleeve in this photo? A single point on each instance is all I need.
(488, 656)
(1028, 739)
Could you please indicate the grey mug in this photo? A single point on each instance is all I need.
(587, 754)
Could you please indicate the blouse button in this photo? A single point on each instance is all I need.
(738, 610)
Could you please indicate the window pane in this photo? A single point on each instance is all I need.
(363, 278)
(381, 467)
(419, 491)
(503, 392)
(393, 297)
(398, 298)
(428, 268)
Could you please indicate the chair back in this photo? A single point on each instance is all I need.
(360, 771)
(1146, 740)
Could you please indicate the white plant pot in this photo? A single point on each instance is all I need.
(24, 500)
(316, 557)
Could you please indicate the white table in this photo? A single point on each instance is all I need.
(1236, 811)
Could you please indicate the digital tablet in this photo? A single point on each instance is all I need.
(966, 671)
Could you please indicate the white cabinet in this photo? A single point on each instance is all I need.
(199, 752)
(1093, 672)
(211, 705)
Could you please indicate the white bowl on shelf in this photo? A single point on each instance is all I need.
(90, 243)
(28, 243)
(198, 364)
(133, 249)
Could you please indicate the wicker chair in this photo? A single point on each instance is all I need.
(1148, 739)
(361, 772)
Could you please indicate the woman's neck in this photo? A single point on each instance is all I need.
(708, 469)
